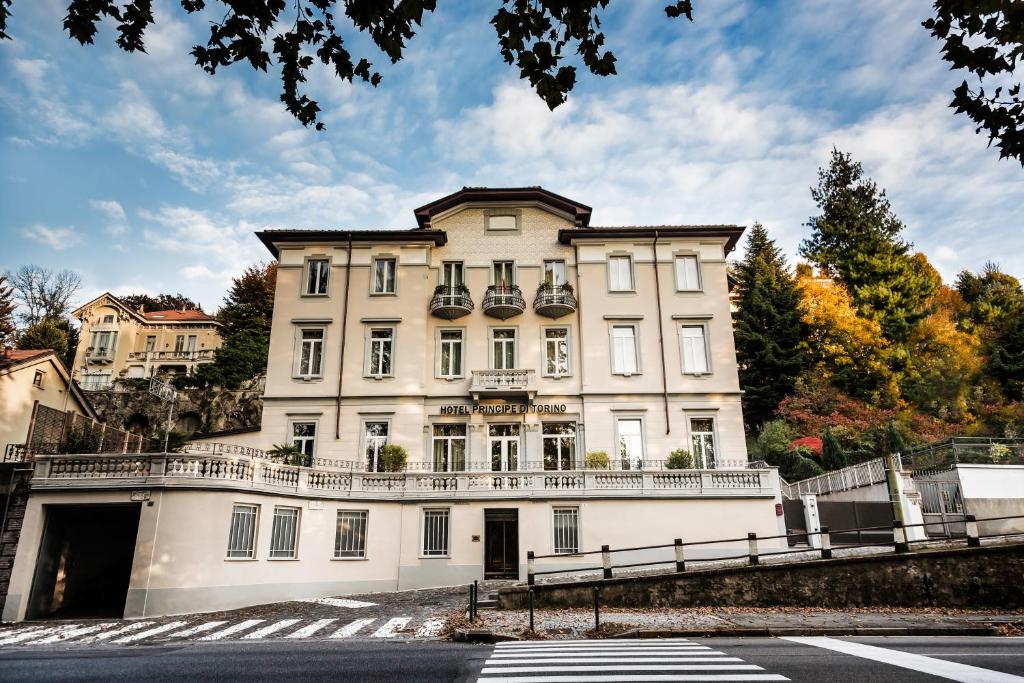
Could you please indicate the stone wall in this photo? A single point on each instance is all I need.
(196, 410)
(990, 576)
(13, 499)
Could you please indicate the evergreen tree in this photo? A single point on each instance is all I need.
(857, 238)
(1006, 360)
(832, 454)
(46, 334)
(6, 313)
(767, 327)
(250, 303)
(893, 441)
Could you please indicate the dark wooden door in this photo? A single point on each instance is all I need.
(501, 544)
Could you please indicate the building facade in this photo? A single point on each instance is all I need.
(119, 342)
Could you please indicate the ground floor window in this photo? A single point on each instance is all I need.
(702, 436)
(284, 532)
(376, 438)
(350, 536)
(631, 443)
(435, 532)
(504, 447)
(566, 530)
(242, 537)
(449, 447)
(304, 438)
(559, 445)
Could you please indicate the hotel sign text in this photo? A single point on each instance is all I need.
(503, 409)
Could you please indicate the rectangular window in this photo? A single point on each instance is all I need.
(452, 274)
(559, 445)
(284, 532)
(504, 445)
(96, 381)
(242, 537)
(566, 530)
(556, 351)
(37, 380)
(554, 273)
(317, 274)
(108, 319)
(504, 273)
(192, 341)
(435, 532)
(624, 350)
(311, 353)
(449, 447)
(376, 436)
(702, 438)
(179, 343)
(150, 343)
(304, 438)
(687, 274)
(504, 352)
(384, 275)
(450, 361)
(620, 273)
(103, 344)
(350, 536)
(694, 349)
(631, 443)
(382, 346)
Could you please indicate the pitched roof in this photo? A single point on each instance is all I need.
(500, 195)
(12, 359)
(732, 232)
(14, 356)
(178, 315)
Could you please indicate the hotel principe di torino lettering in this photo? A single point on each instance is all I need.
(537, 369)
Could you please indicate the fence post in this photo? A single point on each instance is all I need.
(899, 537)
(680, 559)
(476, 599)
(472, 599)
(752, 544)
(529, 568)
(529, 595)
(973, 541)
(606, 561)
(826, 544)
(597, 610)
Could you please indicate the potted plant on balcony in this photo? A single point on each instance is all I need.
(679, 459)
(393, 457)
(596, 460)
(288, 454)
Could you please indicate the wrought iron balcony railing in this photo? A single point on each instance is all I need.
(503, 301)
(451, 302)
(554, 301)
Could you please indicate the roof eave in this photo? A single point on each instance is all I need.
(732, 233)
(271, 238)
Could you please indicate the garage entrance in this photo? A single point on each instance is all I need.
(85, 561)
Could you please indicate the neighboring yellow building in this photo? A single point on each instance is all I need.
(117, 341)
(28, 377)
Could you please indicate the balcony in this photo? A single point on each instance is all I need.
(205, 354)
(451, 302)
(503, 301)
(503, 384)
(100, 354)
(554, 301)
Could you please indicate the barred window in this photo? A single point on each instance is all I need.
(566, 530)
(350, 539)
(284, 532)
(242, 538)
(435, 532)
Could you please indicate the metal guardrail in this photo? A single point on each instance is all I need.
(851, 477)
(967, 451)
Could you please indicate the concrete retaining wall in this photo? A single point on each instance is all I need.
(991, 576)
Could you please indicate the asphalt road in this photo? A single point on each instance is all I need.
(995, 660)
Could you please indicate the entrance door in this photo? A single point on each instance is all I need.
(504, 447)
(501, 544)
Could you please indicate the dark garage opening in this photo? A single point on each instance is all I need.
(85, 561)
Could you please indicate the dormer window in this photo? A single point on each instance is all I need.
(108, 319)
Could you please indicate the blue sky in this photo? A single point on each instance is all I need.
(144, 174)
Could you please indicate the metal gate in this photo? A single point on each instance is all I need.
(942, 506)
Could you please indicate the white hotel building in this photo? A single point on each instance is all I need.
(499, 342)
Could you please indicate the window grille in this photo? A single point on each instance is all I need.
(435, 533)
(350, 539)
(566, 530)
(242, 538)
(284, 532)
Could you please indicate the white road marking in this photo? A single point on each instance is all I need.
(162, 628)
(905, 660)
(98, 637)
(616, 642)
(622, 667)
(351, 629)
(340, 602)
(18, 635)
(610, 660)
(635, 677)
(597, 651)
(430, 628)
(200, 628)
(231, 630)
(391, 627)
(307, 631)
(71, 633)
(272, 628)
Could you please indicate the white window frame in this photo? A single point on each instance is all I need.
(362, 518)
(150, 343)
(368, 369)
(179, 343)
(300, 340)
(544, 350)
(279, 534)
(544, 438)
(619, 419)
(108, 319)
(698, 457)
(433, 552)
(632, 273)
(681, 256)
(384, 258)
(452, 266)
(367, 439)
(192, 343)
(106, 375)
(304, 439)
(449, 440)
(318, 283)
(572, 512)
(460, 344)
(491, 347)
(513, 272)
(557, 270)
(247, 549)
(614, 366)
(703, 326)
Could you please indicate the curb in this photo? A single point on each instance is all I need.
(480, 635)
(770, 632)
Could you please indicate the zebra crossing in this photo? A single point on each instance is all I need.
(603, 661)
(183, 629)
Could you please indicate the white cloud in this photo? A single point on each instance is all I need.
(55, 238)
(117, 220)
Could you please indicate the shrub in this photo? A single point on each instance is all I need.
(84, 439)
(393, 457)
(289, 454)
(1000, 453)
(175, 442)
(773, 441)
(596, 460)
(679, 459)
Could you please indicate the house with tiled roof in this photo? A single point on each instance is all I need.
(118, 341)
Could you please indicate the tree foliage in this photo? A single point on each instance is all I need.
(45, 334)
(832, 455)
(7, 306)
(42, 293)
(986, 37)
(161, 302)
(250, 302)
(1006, 363)
(767, 327)
(538, 36)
